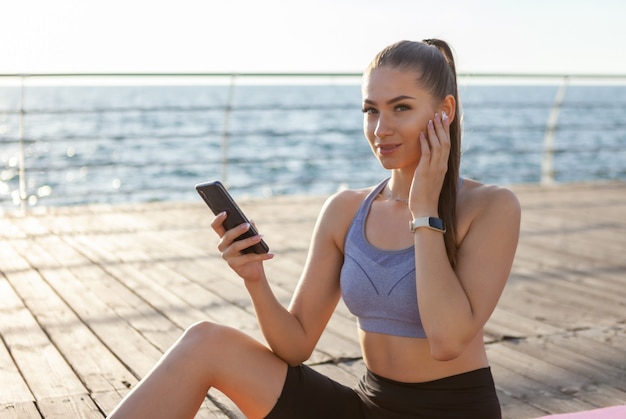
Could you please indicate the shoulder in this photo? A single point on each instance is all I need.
(344, 204)
(348, 197)
(338, 212)
(480, 204)
(479, 196)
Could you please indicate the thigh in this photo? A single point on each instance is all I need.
(244, 369)
(207, 355)
(307, 394)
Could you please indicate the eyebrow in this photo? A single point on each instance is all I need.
(390, 101)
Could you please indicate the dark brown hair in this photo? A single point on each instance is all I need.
(433, 63)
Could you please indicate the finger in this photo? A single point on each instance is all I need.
(233, 233)
(425, 148)
(218, 223)
(434, 142)
(432, 134)
(442, 127)
(229, 236)
(240, 245)
(235, 256)
(446, 121)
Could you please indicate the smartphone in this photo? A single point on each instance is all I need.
(218, 199)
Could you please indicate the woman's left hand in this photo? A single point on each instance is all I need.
(432, 167)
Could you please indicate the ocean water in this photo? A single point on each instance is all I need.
(112, 144)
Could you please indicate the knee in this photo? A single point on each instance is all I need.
(200, 333)
(206, 336)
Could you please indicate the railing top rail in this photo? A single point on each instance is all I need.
(311, 74)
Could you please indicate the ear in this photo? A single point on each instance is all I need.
(448, 105)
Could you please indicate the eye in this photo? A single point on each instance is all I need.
(369, 110)
(401, 108)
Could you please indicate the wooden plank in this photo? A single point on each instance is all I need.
(110, 292)
(10, 260)
(136, 352)
(19, 410)
(595, 248)
(9, 231)
(513, 408)
(575, 391)
(531, 391)
(569, 352)
(592, 304)
(113, 295)
(547, 309)
(341, 375)
(153, 285)
(76, 406)
(126, 341)
(107, 401)
(505, 323)
(14, 389)
(97, 367)
(607, 345)
(355, 367)
(44, 369)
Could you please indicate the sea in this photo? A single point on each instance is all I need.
(86, 144)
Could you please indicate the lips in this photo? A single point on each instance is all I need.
(386, 149)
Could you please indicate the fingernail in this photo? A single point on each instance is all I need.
(444, 116)
(245, 226)
(430, 123)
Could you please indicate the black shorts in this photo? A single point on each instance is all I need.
(308, 394)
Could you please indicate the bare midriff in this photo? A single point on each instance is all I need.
(409, 360)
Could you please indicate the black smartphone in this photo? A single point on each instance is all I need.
(218, 199)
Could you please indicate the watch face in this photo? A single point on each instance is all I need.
(436, 223)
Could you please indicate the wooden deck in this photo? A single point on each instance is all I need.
(90, 297)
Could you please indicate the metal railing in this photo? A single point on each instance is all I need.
(22, 196)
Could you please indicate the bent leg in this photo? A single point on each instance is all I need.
(208, 355)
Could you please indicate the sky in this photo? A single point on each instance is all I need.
(487, 36)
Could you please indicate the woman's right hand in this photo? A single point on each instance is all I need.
(248, 266)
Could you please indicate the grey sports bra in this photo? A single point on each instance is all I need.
(378, 286)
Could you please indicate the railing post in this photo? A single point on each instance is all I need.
(226, 132)
(547, 164)
(22, 149)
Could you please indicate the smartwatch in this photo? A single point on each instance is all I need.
(433, 223)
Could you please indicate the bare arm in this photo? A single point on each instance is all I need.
(456, 304)
(293, 333)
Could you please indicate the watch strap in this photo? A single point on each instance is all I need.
(432, 223)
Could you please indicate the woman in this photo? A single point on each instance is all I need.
(421, 259)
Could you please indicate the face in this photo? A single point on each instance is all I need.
(396, 110)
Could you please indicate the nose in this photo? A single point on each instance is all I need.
(383, 127)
